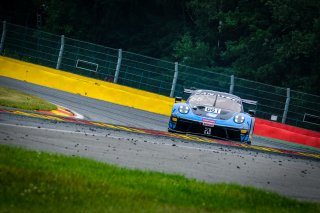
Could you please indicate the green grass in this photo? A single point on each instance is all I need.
(41, 182)
(21, 100)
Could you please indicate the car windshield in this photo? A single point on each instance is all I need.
(215, 100)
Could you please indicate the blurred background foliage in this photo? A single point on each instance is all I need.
(270, 41)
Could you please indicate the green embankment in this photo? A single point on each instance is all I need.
(16, 99)
(40, 182)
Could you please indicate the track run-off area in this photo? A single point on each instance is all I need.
(164, 134)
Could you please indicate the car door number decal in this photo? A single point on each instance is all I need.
(207, 131)
(213, 110)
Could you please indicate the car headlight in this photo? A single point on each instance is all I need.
(184, 109)
(239, 119)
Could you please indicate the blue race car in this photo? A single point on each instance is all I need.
(214, 114)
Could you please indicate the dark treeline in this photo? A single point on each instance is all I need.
(270, 41)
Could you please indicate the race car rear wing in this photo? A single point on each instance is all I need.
(189, 91)
(251, 102)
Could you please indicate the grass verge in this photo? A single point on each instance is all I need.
(21, 100)
(41, 182)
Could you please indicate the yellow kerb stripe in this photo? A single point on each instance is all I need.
(37, 115)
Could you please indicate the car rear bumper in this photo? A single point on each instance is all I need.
(189, 126)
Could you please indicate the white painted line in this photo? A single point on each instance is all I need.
(77, 115)
(47, 129)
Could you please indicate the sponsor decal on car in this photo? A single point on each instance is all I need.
(209, 123)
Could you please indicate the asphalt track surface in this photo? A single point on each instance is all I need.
(101, 111)
(287, 175)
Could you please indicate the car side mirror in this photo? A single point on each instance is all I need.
(252, 112)
(177, 99)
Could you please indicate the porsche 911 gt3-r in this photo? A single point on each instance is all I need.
(214, 114)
